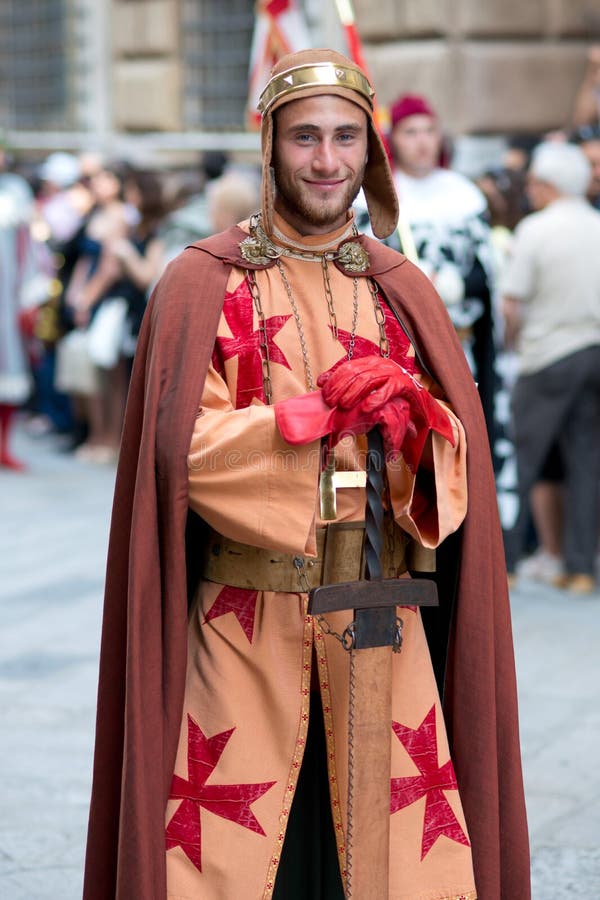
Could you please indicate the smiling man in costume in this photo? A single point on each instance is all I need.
(267, 353)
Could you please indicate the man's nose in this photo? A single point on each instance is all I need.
(325, 158)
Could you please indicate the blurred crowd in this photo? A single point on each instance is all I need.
(83, 241)
(514, 253)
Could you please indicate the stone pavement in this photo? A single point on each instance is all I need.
(557, 648)
(52, 553)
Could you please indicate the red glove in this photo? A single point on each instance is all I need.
(358, 395)
(353, 380)
(396, 426)
(370, 382)
(307, 418)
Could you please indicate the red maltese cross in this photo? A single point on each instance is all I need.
(230, 801)
(238, 310)
(432, 783)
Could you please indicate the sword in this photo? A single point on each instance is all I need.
(375, 634)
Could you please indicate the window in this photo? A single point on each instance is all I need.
(215, 41)
(34, 64)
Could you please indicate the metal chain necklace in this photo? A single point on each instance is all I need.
(263, 340)
(329, 297)
(332, 318)
(384, 344)
(288, 288)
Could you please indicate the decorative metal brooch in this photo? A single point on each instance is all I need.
(353, 257)
(259, 250)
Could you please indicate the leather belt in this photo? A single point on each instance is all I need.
(340, 558)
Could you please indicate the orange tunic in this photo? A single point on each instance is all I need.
(250, 653)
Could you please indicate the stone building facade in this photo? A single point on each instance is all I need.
(74, 72)
(491, 66)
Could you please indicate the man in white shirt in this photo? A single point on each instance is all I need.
(552, 312)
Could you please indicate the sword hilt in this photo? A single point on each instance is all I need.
(374, 600)
(374, 506)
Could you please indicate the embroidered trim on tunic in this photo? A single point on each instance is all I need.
(336, 809)
(296, 758)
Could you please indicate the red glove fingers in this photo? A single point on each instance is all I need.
(346, 383)
(370, 381)
(396, 426)
(350, 422)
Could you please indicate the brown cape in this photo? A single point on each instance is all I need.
(144, 637)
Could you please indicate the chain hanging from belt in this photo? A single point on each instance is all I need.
(347, 637)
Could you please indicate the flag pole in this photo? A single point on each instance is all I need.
(348, 21)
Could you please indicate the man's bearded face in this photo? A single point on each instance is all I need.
(319, 158)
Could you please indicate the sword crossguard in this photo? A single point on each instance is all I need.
(390, 593)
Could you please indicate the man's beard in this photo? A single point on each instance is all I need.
(313, 212)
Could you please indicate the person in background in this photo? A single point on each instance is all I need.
(588, 138)
(62, 204)
(62, 199)
(443, 222)
(107, 221)
(552, 310)
(504, 190)
(141, 253)
(129, 263)
(231, 198)
(18, 271)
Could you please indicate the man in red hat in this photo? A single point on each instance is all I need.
(443, 228)
(221, 765)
